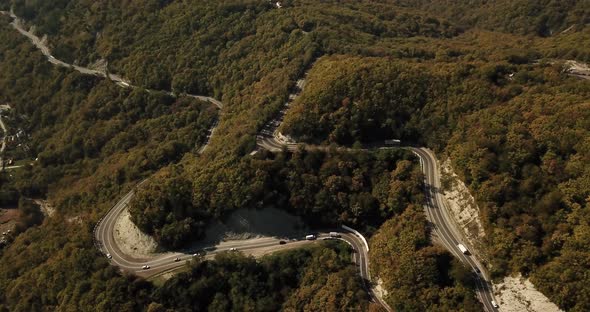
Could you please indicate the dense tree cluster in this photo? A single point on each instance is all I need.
(541, 17)
(360, 189)
(351, 100)
(417, 275)
(29, 215)
(319, 278)
(78, 124)
(527, 162)
(92, 139)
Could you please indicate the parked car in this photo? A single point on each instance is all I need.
(282, 242)
(109, 256)
(145, 267)
(176, 259)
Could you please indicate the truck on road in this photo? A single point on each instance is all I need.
(310, 237)
(334, 234)
(463, 249)
(393, 142)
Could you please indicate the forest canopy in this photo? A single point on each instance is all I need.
(360, 189)
(481, 82)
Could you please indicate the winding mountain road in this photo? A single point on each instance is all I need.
(269, 139)
(105, 241)
(444, 228)
(435, 207)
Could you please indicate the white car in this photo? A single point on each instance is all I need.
(494, 304)
(176, 259)
(145, 267)
(109, 256)
(233, 249)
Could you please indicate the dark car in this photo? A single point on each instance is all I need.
(282, 242)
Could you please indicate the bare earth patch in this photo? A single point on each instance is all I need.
(379, 290)
(516, 294)
(578, 69)
(8, 218)
(46, 208)
(461, 204)
(131, 240)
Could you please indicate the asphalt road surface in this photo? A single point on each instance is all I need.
(445, 229)
(105, 241)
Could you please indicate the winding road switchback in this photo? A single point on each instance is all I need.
(269, 139)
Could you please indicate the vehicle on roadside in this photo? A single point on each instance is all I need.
(477, 271)
(335, 235)
(282, 242)
(463, 249)
(109, 256)
(233, 249)
(310, 237)
(176, 259)
(494, 304)
(393, 142)
(145, 267)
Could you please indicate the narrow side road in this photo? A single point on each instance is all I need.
(118, 80)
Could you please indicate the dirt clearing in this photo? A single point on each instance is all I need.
(8, 219)
(131, 240)
(516, 294)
